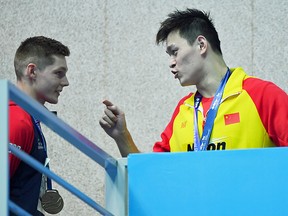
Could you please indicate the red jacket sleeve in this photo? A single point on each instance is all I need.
(163, 145)
(21, 134)
(272, 106)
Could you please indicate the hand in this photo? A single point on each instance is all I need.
(113, 121)
(114, 124)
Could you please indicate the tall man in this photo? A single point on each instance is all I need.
(230, 109)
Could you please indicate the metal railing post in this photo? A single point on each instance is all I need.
(4, 185)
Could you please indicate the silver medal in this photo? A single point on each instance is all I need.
(52, 202)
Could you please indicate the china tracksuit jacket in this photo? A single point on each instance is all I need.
(253, 114)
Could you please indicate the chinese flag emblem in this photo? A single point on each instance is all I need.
(232, 118)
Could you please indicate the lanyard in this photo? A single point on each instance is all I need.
(201, 144)
(37, 123)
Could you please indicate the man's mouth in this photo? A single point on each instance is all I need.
(175, 74)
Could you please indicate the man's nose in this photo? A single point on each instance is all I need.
(172, 63)
(64, 81)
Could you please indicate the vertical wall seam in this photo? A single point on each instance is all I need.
(106, 42)
(252, 36)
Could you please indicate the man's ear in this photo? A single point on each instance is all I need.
(202, 43)
(31, 71)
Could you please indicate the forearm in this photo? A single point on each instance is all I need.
(126, 144)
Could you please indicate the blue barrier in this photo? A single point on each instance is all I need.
(250, 182)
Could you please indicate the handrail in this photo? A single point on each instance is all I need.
(63, 130)
(38, 166)
(17, 210)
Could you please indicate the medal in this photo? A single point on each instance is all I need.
(52, 202)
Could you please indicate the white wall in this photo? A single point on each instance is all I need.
(114, 56)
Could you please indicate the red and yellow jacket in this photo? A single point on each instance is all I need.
(253, 114)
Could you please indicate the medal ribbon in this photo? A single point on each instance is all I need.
(201, 144)
(51, 201)
(38, 126)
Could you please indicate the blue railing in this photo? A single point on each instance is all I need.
(9, 91)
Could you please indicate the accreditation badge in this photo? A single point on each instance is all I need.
(52, 202)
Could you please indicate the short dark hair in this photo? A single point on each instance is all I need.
(38, 50)
(191, 23)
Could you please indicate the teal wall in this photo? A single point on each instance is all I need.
(218, 183)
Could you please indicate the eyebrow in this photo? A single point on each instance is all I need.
(62, 69)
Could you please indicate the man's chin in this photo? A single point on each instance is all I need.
(52, 100)
(183, 84)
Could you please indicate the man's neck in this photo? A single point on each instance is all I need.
(27, 89)
(209, 85)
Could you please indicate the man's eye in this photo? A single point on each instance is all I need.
(59, 73)
(174, 52)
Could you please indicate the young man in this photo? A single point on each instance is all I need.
(230, 109)
(41, 68)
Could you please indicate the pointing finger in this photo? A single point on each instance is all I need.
(107, 103)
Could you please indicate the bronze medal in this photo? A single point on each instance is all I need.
(52, 202)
